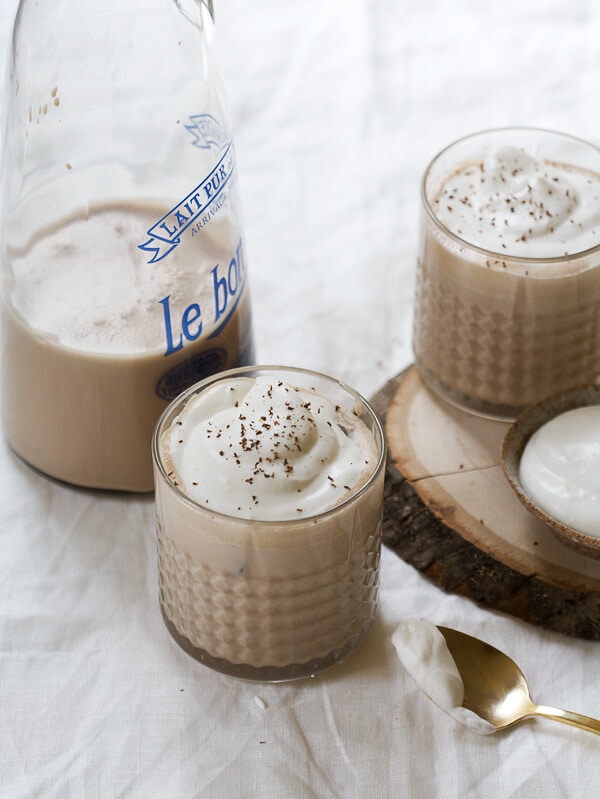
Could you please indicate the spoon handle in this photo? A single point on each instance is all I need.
(567, 717)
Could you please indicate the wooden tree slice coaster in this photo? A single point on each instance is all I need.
(450, 512)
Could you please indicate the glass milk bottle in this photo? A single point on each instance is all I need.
(124, 270)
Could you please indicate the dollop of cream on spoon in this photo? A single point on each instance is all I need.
(423, 652)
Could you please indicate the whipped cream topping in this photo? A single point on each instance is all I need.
(423, 652)
(262, 449)
(560, 469)
(511, 203)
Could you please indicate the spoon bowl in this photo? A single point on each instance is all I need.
(495, 687)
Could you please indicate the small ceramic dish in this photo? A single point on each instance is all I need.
(514, 443)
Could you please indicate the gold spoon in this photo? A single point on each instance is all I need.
(495, 688)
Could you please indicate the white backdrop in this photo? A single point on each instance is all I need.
(337, 108)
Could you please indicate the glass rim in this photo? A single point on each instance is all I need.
(182, 399)
(513, 259)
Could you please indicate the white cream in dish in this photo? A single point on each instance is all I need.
(263, 449)
(515, 204)
(560, 469)
(423, 652)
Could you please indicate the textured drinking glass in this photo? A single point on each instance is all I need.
(270, 600)
(124, 276)
(493, 332)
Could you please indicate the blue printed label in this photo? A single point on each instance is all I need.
(227, 283)
(207, 132)
(166, 234)
(189, 323)
(185, 374)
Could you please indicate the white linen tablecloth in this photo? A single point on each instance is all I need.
(337, 108)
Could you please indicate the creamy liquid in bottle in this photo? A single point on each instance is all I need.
(97, 340)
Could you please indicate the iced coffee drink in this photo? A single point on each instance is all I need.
(507, 308)
(269, 489)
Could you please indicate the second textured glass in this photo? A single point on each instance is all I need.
(507, 308)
